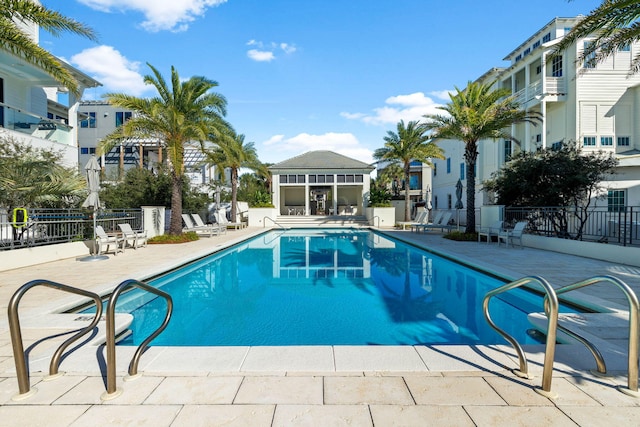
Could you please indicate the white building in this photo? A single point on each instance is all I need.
(99, 118)
(598, 107)
(321, 183)
(30, 109)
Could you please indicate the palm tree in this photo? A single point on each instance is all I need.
(19, 43)
(475, 113)
(409, 143)
(615, 23)
(186, 111)
(230, 151)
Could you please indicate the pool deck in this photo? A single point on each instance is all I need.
(314, 385)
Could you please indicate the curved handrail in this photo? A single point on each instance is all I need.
(16, 333)
(552, 315)
(112, 391)
(374, 222)
(264, 223)
(634, 308)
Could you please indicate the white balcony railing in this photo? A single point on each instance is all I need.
(554, 86)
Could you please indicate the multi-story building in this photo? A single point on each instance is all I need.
(595, 107)
(34, 108)
(99, 119)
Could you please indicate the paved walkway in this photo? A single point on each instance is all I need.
(323, 385)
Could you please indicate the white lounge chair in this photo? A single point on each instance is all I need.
(514, 234)
(421, 217)
(134, 238)
(104, 240)
(436, 220)
(442, 224)
(221, 219)
(493, 230)
(190, 226)
(197, 219)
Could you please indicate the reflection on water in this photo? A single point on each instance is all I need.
(322, 287)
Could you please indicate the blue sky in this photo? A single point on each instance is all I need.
(303, 75)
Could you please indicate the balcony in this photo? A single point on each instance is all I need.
(554, 90)
(35, 126)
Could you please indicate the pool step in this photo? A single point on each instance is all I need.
(301, 221)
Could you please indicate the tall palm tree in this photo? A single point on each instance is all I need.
(230, 151)
(410, 142)
(475, 113)
(186, 111)
(18, 42)
(615, 24)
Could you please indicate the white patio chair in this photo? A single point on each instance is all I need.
(191, 226)
(514, 234)
(104, 240)
(493, 230)
(134, 238)
(221, 219)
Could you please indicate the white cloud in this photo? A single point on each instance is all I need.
(442, 94)
(343, 143)
(401, 107)
(266, 52)
(109, 67)
(260, 55)
(172, 15)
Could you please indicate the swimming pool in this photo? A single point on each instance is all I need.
(326, 287)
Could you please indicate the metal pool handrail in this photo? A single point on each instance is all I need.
(112, 391)
(551, 310)
(16, 333)
(264, 223)
(634, 307)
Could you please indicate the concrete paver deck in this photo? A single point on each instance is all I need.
(324, 385)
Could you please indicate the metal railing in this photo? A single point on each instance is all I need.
(634, 307)
(112, 391)
(599, 224)
(551, 310)
(550, 303)
(264, 223)
(19, 354)
(51, 226)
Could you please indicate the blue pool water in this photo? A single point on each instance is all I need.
(326, 287)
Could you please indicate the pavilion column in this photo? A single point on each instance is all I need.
(334, 202)
(306, 195)
(141, 155)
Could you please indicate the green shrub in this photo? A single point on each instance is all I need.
(189, 236)
(461, 236)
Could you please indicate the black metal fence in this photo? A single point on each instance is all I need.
(51, 226)
(595, 224)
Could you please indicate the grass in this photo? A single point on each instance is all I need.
(190, 236)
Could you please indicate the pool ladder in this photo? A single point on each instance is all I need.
(550, 303)
(20, 355)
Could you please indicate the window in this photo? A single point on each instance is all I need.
(312, 179)
(589, 60)
(301, 179)
(626, 48)
(414, 182)
(435, 168)
(341, 178)
(283, 179)
(329, 178)
(507, 150)
(449, 165)
(589, 141)
(122, 117)
(556, 146)
(359, 178)
(461, 170)
(526, 52)
(84, 150)
(616, 200)
(546, 38)
(321, 178)
(435, 202)
(536, 45)
(567, 30)
(292, 179)
(538, 69)
(623, 141)
(90, 121)
(518, 58)
(449, 204)
(556, 66)
(606, 141)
